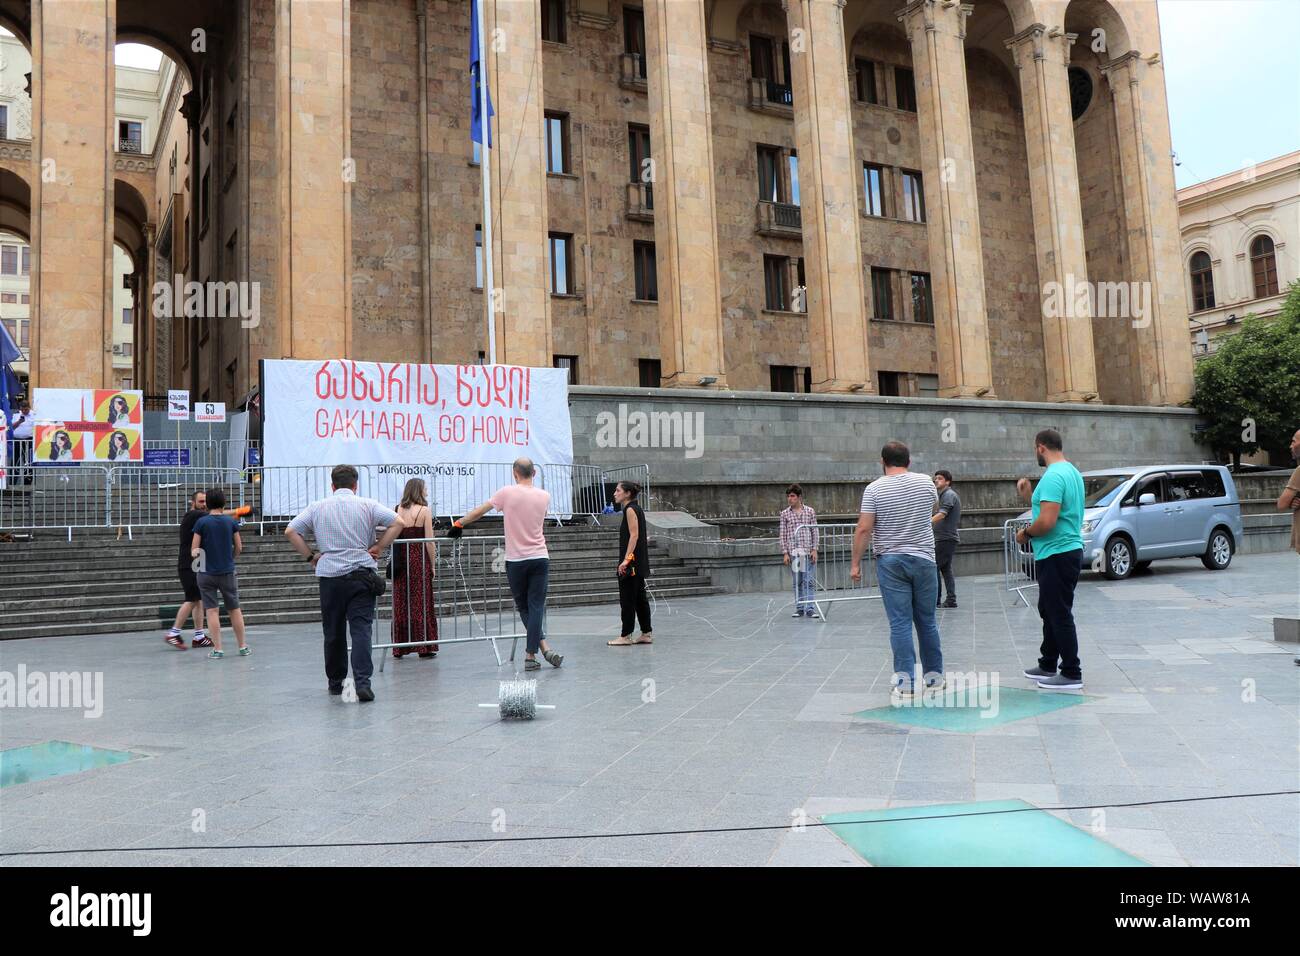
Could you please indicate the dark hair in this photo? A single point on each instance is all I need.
(216, 498)
(945, 474)
(413, 494)
(795, 489)
(194, 495)
(524, 468)
(895, 455)
(631, 487)
(344, 476)
(1050, 438)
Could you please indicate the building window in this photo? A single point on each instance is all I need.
(24, 299)
(553, 21)
(866, 81)
(557, 143)
(873, 178)
(9, 260)
(905, 87)
(927, 386)
(1263, 267)
(643, 263)
(783, 377)
(130, 136)
(1080, 90)
(640, 168)
(126, 349)
(9, 298)
(922, 298)
(4, 122)
(763, 66)
(776, 282)
(478, 256)
(27, 260)
(126, 316)
(793, 160)
(1202, 282)
(571, 363)
(561, 249)
(800, 298)
(769, 175)
(882, 293)
(634, 36)
(650, 372)
(913, 197)
(482, 358)
(890, 383)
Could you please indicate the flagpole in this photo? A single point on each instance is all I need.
(485, 132)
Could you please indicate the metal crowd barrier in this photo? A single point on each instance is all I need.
(638, 473)
(125, 495)
(1018, 568)
(459, 595)
(832, 580)
(225, 454)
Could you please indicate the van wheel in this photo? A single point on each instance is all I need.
(1218, 554)
(1119, 559)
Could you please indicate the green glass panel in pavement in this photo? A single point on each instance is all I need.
(969, 712)
(1030, 837)
(54, 758)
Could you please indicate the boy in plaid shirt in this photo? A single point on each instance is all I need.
(800, 549)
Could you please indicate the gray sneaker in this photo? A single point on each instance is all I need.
(1037, 673)
(1061, 682)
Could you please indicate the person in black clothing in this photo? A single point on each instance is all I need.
(635, 567)
(189, 582)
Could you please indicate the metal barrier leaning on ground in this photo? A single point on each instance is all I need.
(1017, 561)
(471, 598)
(832, 582)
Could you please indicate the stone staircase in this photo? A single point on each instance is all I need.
(99, 583)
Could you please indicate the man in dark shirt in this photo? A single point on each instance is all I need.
(214, 546)
(189, 583)
(947, 518)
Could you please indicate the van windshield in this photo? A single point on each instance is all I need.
(1100, 490)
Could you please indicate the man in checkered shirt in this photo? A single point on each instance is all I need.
(800, 549)
(344, 527)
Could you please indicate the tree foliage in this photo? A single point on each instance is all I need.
(1249, 390)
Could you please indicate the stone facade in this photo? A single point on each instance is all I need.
(332, 136)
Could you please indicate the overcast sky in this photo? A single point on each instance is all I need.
(1230, 72)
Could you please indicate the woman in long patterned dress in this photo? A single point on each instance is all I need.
(415, 609)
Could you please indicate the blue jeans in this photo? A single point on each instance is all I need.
(804, 582)
(528, 579)
(910, 589)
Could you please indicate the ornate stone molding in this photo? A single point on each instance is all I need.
(928, 15)
(16, 149)
(130, 163)
(1034, 39)
(730, 47)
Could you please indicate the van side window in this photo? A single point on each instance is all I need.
(1193, 485)
(1151, 485)
(1214, 484)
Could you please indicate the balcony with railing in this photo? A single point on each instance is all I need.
(780, 219)
(130, 145)
(769, 96)
(640, 202)
(632, 72)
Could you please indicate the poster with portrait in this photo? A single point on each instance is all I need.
(82, 424)
(59, 444)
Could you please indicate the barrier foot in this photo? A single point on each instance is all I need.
(495, 651)
(514, 644)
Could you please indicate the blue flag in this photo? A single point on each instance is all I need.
(9, 386)
(477, 75)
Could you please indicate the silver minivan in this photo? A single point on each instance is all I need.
(1133, 516)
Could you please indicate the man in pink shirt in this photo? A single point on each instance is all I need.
(528, 563)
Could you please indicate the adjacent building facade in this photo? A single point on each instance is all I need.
(943, 199)
(1241, 233)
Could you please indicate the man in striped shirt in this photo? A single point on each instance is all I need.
(896, 512)
(344, 527)
(802, 547)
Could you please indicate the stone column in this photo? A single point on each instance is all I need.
(829, 180)
(518, 157)
(686, 217)
(1042, 58)
(72, 193)
(937, 31)
(313, 84)
(1151, 214)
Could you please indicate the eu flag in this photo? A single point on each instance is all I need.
(478, 75)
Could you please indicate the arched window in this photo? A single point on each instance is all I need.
(1202, 282)
(1263, 267)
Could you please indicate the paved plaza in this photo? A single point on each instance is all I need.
(737, 717)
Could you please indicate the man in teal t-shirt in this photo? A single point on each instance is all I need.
(1054, 533)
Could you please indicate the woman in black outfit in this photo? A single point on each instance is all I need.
(635, 567)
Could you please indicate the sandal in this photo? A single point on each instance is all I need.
(647, 637)
(532, 664)
(623, 640)
(552, 658)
